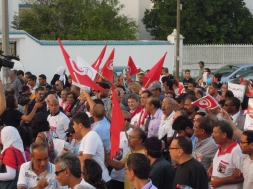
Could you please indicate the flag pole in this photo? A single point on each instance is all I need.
(77, 80)
(128, 139)
(147, 83)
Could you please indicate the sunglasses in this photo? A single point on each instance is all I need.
(128, 119)
(57, 172)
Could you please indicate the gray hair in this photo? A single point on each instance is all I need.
(71, 162)
(36, 145)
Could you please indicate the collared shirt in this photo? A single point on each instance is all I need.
(205, 151)
(154, 123)
(247, 173)
(194, 141)
(235, 116)
(32, 90)
(149, 185)
(166, 126)
(102, 128)
(224, 163)
(29, 179)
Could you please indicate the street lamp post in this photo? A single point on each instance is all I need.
(178, 40)
(5, 41)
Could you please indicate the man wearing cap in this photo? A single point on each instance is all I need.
(155, 88)
(15, 83)
(213, 91)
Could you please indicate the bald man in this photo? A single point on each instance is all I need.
(101, 125)
(58, 121)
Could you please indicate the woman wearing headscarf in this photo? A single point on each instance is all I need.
(12, 155)
(60, 75)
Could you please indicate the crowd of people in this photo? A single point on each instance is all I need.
(166, 142)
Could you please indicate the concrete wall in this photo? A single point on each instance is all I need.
(45, 56)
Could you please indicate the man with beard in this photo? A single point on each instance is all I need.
(189, 107)
(184, 127)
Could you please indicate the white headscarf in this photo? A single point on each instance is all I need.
(10, 137)
(61, 71)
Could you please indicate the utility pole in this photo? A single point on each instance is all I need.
(5, 42)
(178, 40)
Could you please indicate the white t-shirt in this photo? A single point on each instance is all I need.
(29, 179)
(123, 146)
(59, 124)
(247, 173)
(86, 184)
(92, 144)
(224, 164)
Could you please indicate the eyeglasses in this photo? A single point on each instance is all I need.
(244, 142)
(170, 148)
(194, 127)
(131, 137)
(57, 172)
(127, 119)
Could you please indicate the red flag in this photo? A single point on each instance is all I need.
(81, 75)
(154, 73)
(181, 88)
(97, 63)
(131, 68)
(107, 70)
(206, 102)
(117, 123)
(213, 79)
(241, 79)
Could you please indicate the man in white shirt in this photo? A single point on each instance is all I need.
(68, 171)
(39, 172)
(91, 145)
(227, 159)
(58, 121)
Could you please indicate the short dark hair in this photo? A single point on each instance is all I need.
(185, 144)
(155, 101)
(168, 81)
(98, 111)
(20, 72)
(190, 97)
(154, 147)
(181, 122)
(83, 118)
(229, 94)
(201, 62)
(203, 114)
(139, 164)
(141, 134)
(208, 70)
(166, 70)
(206, 124)
(235, 102)
(133, 96)
(225, 127)
(147, 92)
(249, 134)
(10, 102)
(218, 76)
(190, 92)
(193, 82)
(28, 73)
(75, 96)
(187, 71)
(222, 102)
(43, 76)
(39, 89)
(10, 91)
(32, 77)
(200, 92)
(104, 85)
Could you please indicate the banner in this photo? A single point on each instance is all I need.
(248, 125)
(237, 89)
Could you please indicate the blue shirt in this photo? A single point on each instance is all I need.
(149, 185)
(102, 128)
(194, 141)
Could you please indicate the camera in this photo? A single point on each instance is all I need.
(6, 61)
(23, 98)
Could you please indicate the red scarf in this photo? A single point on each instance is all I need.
(138, 109)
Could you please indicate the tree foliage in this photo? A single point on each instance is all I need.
(76, 20)
(202, 21)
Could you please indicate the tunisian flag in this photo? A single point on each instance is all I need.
(107, 70)
(206, 102)
(97, 63)
(154, 73)
(131, 68)
(80, 73)
(117, 123)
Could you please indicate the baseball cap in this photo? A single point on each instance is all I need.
(70, 129)
(155, 85)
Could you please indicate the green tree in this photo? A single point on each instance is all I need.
(202, 21)
(76, 20)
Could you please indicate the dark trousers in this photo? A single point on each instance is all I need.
(117, 184)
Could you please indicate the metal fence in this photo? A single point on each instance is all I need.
(217, 54)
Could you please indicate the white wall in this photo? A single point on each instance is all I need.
(45, 56)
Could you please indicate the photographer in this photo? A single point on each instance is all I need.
(39, 96)
(12, 117)
(2, 99)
